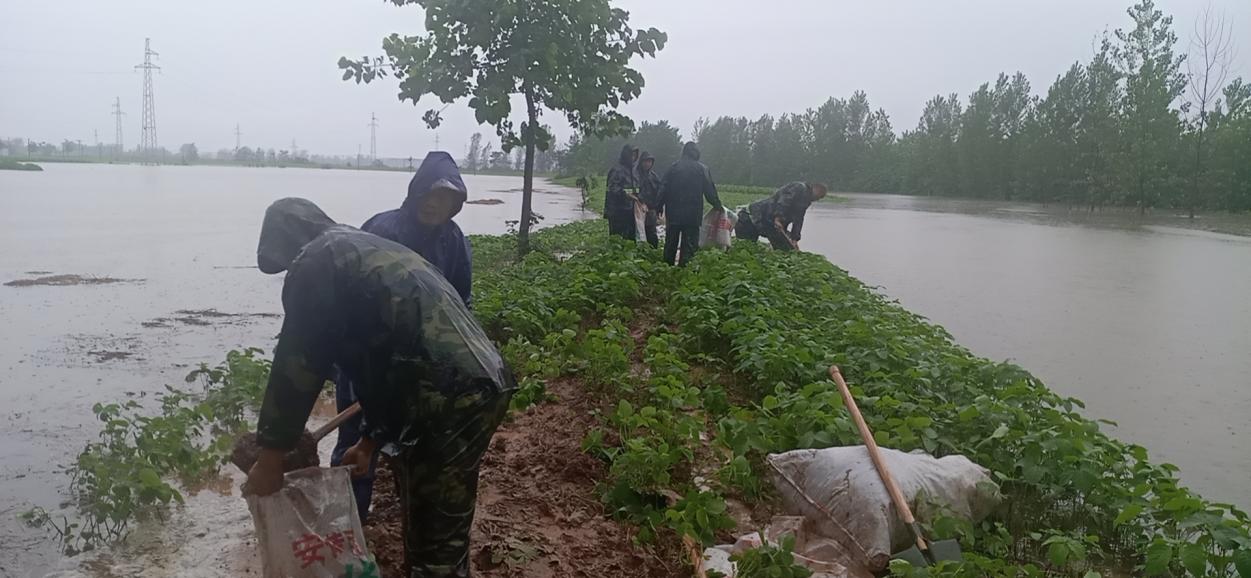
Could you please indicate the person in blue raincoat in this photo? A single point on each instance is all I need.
(424, 224)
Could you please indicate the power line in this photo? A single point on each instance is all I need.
(373, 137)
(147, 139)
(117, 135)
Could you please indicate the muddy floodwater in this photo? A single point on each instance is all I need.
(124, 278)
(1146, 320)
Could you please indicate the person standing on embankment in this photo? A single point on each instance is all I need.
(432, 387)
(683, 190)
(649, 194)
(424, 224)
(780, 216)
(620, 194)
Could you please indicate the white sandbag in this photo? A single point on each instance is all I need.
(640, 222)
(839, 490)
(311, 529)
(796, 527)
(717, 228)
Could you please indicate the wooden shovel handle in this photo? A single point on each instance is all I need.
(896, 496)
(337, 421)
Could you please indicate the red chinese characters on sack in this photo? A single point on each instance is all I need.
(309, 547)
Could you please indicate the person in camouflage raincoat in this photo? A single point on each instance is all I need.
(424, 224)
(780, 216)
(431, 385)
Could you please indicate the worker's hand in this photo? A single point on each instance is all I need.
(359, 456)
(265, 477)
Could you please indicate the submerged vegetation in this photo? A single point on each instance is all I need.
(126, 475)
(7, 164)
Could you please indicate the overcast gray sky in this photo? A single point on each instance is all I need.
(270, 65)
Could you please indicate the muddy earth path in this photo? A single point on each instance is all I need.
(539, 511)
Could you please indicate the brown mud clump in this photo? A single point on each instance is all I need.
(304, 455)
(484, 202)
(67, 280)
(538, 512)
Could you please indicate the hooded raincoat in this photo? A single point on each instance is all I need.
(620, 180)
(685, 187)
(443, 246)
(383, 315)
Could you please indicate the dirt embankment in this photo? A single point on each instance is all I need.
(539, 513)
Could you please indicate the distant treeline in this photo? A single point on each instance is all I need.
(1138, 125)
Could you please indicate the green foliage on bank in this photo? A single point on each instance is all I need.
(735, 349)
(706, 369)
(147, 453)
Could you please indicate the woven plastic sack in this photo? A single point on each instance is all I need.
(640, 222)
(717, 228)
(839, 490)
(311, 529)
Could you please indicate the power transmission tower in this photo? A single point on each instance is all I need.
(147, 139)
(117, 136)
(373, 138)
(237, 135)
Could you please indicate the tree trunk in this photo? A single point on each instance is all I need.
(1197, 180)
(527, 187)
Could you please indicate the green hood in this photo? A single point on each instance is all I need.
(289, 225)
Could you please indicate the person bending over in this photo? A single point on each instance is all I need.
(432, 387)
(780, 216)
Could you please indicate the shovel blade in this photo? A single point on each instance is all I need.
(941, 550)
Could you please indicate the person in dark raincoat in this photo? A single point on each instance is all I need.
(649, 193)
(432, 387)
(683, 190)
(780, 216)
(424, 224)
(620, 194)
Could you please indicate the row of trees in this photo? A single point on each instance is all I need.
(1138, 125)
(485, 157)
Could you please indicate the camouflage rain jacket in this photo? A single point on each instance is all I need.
(380, 312)
(789, 204)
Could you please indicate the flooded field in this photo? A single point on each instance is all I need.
(1145, 319)
(124, 278)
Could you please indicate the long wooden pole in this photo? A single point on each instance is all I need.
(896, 496)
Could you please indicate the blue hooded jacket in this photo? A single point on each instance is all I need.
(444, 246)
